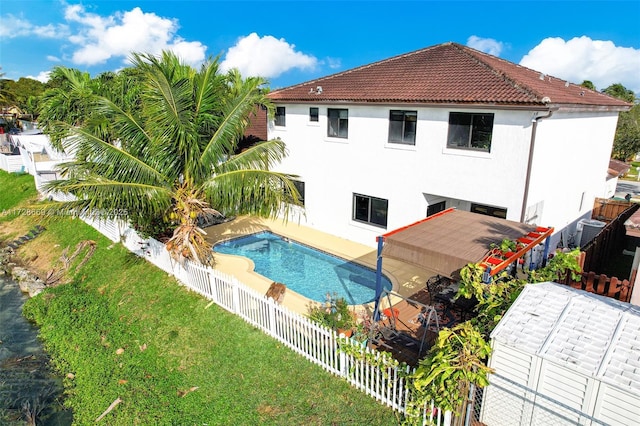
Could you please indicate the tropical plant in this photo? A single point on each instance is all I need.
(174, 157)
(458, 359)
(334, 313)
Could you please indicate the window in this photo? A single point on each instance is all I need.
(470, 131)
(436, 208)
(489, 210)
(280, 116)
(313, 114)
(300, 187)
(402, 127)
(370, 210)
(338, 126)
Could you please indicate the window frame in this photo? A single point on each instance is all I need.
(473, 131)
(404, 140)
(490, 210)
(300, 187)
(356, 213)
(280, 118)
(342, 123)
(312, 116)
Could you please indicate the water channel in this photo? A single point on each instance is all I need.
(29, 392)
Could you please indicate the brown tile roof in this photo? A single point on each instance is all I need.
(617, 167)
(445, 73)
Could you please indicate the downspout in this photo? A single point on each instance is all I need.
(525, 197)
(376, 310)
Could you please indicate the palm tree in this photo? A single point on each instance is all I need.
(175, 158)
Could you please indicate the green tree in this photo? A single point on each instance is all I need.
(71, 102)
(588, 84)
(21, 93)
(619, 91)
(174, 158)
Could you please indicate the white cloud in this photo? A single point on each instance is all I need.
(103, 38)
(579, 59)
(333, 63)
(43, 77)
(265, 57)
(486, 45)
(12, 27)
(53, 58)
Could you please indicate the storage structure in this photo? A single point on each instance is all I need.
(564, 356)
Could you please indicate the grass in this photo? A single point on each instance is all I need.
(121, 328)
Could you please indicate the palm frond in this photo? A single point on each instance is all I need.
(106, 198)
(108, 161)
(262, 156)
(234, 120)
(258, 192)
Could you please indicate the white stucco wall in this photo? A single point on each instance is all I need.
(334, 169)
(570, 164)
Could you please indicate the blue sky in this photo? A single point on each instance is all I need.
(294, 41)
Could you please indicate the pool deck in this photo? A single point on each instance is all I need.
(406, 279)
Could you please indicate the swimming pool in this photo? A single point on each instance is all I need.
(305, 270)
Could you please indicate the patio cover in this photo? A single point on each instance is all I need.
(449, 240)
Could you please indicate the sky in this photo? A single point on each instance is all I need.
(292, 42)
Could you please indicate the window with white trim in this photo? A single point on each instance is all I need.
(338, 123)
(314, 113)
(280, 116)
(402, 127)
(470, 131)
(370, 210)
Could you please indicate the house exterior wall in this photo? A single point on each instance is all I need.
(569, 171)
(411, 177)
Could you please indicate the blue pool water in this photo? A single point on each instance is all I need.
(305, 270)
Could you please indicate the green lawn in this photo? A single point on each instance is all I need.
(14, 189)
(121, 328)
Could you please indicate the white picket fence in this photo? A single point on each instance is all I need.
(321, 346)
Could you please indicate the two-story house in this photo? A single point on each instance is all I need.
(380, 146)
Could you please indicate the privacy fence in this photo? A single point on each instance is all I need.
(362, 367)
(599, 251)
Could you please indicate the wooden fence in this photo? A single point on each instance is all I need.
(599, 251)
(606, 209)
(610, 241)
(601, 284)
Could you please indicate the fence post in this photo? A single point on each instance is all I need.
(342, 357)
(271, 306)
(235, 291)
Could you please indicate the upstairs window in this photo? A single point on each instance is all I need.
(402, 127)
(313, 114)
(338, 123)
(470, 131)
(280, 116)
(370, 210)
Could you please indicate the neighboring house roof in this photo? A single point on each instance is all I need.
(257, 124)
(595, 335)
(618, 168)
(447, 73)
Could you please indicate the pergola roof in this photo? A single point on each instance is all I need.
(449, 240)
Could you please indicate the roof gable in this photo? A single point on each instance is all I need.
(445, 73)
